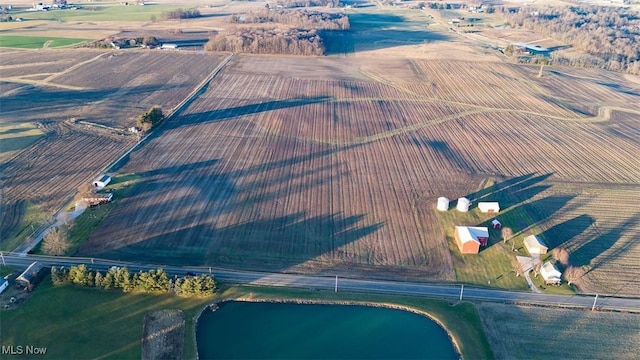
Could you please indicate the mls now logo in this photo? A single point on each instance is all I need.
(23, 350)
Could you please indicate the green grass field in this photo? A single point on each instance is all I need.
(32, 219)
(101, 12)
(37, 42)
(86, 323)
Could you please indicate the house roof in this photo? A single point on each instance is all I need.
(472, 233)
(30, 272)
(532, 242)
(495, 221)
(549, 271)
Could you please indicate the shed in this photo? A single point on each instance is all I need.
(489, 207)
(463, 204)
(102, 182)
(470, 238)
(3, 285)
(28, 278)
(496, 224)
(550, 273)
(534, 245)
(443, 204)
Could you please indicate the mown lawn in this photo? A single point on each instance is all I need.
(84, 323)
(37, 42)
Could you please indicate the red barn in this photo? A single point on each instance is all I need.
(470, 238)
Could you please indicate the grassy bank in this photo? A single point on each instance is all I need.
(103, 324)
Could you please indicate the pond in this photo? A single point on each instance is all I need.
(246, 330)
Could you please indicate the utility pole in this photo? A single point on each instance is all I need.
(336, 287)
(209, 270)
(594, 303)
(461, 290)
(2, 256)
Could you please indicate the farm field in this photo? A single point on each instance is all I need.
(578, 334)
(83, 113)
(338, 169)
(33, 42)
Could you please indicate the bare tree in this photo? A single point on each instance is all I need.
(573, 274)
(536, 268)
(561, 255)
(516, 266)
(56, 241)
(506, 233)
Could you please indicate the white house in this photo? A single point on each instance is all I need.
(550, 273)
(102, 182)
(534, 245)
(489, 207)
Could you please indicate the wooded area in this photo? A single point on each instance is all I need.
(610, 36)
(268, 41)
(307, 19)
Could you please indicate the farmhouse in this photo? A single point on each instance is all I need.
(534, 245)
(102, 182)
(550, 273)
(463, 204)
(489, 207)
(28, 278)
(470, 238)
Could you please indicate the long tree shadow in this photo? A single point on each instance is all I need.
(298, 237)
(512, 191)
(566, 231)
(602, 242)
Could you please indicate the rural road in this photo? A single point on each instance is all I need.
(369, 286)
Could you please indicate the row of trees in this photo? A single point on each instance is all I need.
(610, 35)
(150, 118)
(181, 14)
(308, 3)
(305, 19)
(150, 282)
(268, 41)
(571, 273)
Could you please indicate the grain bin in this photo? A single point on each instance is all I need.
(463, 204)
(443, 204)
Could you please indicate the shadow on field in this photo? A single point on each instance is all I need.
(370, 31)
(233, 112)
(605, 241)
(512, 191)
(564, 232)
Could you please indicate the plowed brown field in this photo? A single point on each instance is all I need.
(336, 165)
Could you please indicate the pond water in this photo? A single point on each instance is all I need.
(245, 330)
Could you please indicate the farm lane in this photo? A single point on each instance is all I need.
(372, 286)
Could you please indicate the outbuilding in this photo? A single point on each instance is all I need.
(496, 224)
(443, 204)
(463, 204)
(489, 206)
(3, 285)
(550, 274)
(29, 277)
(534, 245)
(470, 238)
(102, 182)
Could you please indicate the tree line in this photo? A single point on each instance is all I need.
(305, 19)
(181, 14)
(259, 40)
(149, 282)
(610, 36)
(308, 3)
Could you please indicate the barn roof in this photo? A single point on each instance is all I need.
(472, 233)
(549, 271)
(532, 242)
(105, 178)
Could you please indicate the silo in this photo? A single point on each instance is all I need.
(463, 204)
(443, 204)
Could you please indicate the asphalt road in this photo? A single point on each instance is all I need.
(343, 283)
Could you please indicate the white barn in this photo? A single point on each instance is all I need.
(102, 182)
(550, 273)
(489, 207)
(463, 204)
(534, 245)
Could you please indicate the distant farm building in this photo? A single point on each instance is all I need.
(496, 224)
(470, 238)
(443, 204)
(550, 274)
(98, 199)
(29, 277)
(169, 46)
(534, 245)
(3, 285)
(102, 182)
(463, 204)
(489, 207)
